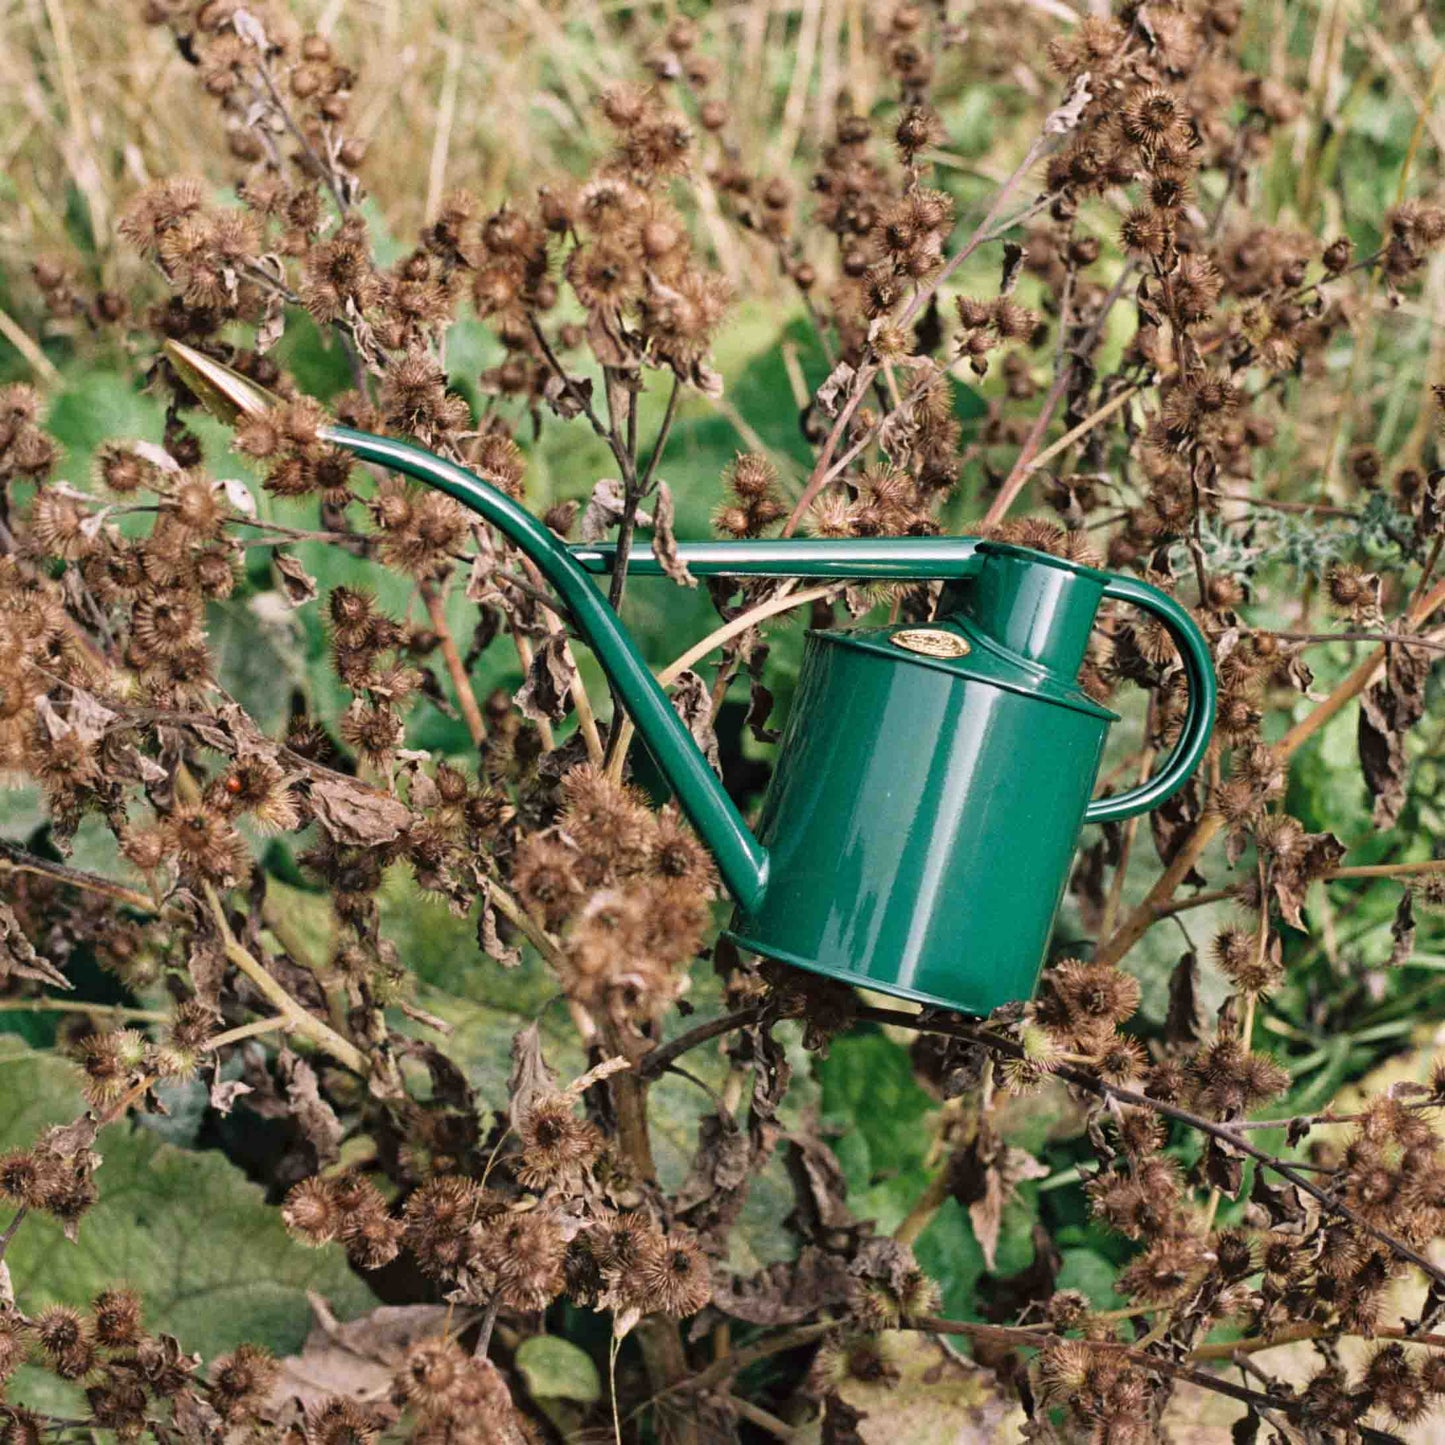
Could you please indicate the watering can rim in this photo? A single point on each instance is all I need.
(1029, 679)
(1044, 559)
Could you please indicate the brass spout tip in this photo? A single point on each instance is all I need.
(221, 389)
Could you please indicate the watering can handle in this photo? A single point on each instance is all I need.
(1198, 723)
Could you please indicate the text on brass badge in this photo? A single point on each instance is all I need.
(931, 642)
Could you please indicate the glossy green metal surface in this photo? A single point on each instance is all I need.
(932, 780)
(920, 827)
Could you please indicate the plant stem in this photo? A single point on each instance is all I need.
(305, 1023)
(114, 1011)
(657, 1060)
(461, 683)
(14, 859)
(489, 1321)
(716, 638)
(247, 1031)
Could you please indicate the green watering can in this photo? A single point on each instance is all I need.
(932, 780)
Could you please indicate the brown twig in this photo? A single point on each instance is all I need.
(456, 669)
(301, 1019)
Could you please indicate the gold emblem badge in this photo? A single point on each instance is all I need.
(931, 642)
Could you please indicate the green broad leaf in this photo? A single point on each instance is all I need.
(212, 1261)
(94, 407)
(1092, 1275)
(949, 1253)
(258, 660)
(881, 1112)
(556, 1369)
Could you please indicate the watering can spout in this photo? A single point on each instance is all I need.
(741, 859)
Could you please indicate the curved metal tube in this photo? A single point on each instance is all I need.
(740, 857)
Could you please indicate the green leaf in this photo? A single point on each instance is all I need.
(257, 654)
(869, 1091)
(556, 1369)
(213, 1262)
(94, 407)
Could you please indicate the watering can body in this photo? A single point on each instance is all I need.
(921, 821)
(932, 780)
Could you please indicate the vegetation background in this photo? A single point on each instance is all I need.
(491, 95)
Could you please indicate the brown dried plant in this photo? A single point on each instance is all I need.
(1160, 352)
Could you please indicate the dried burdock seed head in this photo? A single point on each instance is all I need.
(23, 1178)
(204, 844)
(117, 1318)
(1394, 1385)
(64, 1336)
(1084, 998)
(312, 1212)
(371, 1238)
(1247, 960)
(257, 786)
(242, 1381)
(523, 1254)
(917, 129)
(12, 1344)
(1338, 255)
(672, 1277)
(556, 1144)
(108, 1062)
(339, 1421)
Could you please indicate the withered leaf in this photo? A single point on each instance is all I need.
(315, 1118)
(841, 1421)
(819, 1186)
(532, 1077)
(664, 543)
(18, 958)
(197, 1421)
(1182, 1023)
(786, 1293)
(760, 709)
(1223, 1167)
(480, 587)
(1281, 1205)
(225, 1092)
(353, 813)
(1067, 116)
(298, 585)
(360, 1358)
(1171, 824)
(489, 938)
(719, 1169)
(568, 400)
(984, 1176)
(1432, 1312)
(1387, 712)
(546, 694)
(604, 510)
(1318, 853)
(1402, 930)
(693, 701)
(1013, 262)
(273, 323)
(837, 382)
